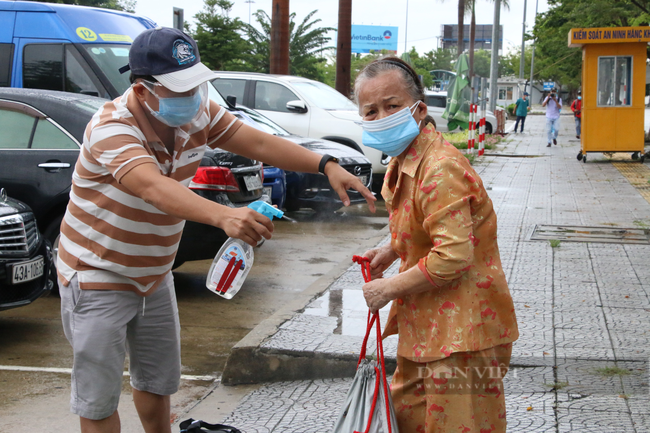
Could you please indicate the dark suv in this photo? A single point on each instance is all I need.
(25, 257)
(42, 132)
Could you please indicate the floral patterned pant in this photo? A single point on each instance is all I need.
(462, 393)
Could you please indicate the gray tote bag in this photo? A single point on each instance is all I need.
(368, 407)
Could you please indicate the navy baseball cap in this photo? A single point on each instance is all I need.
(526, 93)
(171, 57)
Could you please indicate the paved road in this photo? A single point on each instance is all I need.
(32, 338)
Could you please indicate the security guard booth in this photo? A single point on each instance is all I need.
(613, 88)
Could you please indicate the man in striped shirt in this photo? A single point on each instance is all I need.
(128, 205)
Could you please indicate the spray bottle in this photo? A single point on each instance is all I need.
(234, 260)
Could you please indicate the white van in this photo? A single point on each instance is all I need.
(301, 106)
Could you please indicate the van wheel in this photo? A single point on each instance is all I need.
(53, 234)
(488, 128)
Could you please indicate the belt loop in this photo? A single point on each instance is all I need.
(144, 300)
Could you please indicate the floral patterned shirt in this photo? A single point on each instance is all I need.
(442, 220)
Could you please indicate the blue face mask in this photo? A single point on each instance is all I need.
(579, 98)
(393, 134)
(179, 111)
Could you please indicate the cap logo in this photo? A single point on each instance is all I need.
(183, 52)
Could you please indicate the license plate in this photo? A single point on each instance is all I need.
(27, 271)
(363, 179)
(253, 182)
(268, 191)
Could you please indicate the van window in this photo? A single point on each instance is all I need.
(110, 58)
(273, 97)
(231, 87)
(77, 79)
(48, 136)
(43, 66)
(46, 65)
(6, 61)
(16, 129)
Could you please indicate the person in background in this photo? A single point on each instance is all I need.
(451, 306)
(576, 107)
(522, 107)
(554, 104)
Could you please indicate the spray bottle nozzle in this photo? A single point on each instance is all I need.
(266, 209)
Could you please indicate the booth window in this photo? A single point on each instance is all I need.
(614, 81)
(505, 93)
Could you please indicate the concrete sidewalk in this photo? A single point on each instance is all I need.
(583, 307)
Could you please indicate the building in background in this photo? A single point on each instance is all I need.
(482, 41)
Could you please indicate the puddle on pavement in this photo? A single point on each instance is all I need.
(348, 307)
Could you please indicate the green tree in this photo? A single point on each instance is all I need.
(554, 60)
(306, 45)
(509, 64)
(218, 37)
(120, 5)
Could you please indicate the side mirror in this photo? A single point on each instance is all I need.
(297, 106)
(232, 100)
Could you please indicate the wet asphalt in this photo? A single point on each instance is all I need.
(34, 349)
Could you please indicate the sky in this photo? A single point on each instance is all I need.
(421, 30)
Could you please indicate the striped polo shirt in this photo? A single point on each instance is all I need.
(110, 238)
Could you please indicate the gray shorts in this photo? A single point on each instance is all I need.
(101, 325)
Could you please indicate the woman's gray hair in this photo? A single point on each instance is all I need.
(377, 67)
(410, 79)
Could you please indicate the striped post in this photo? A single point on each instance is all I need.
(481, 136)
(470, 138)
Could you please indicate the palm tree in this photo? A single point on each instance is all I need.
(461, 24)
(470, 6)
(305, 44)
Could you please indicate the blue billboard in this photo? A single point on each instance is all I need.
(373, 38)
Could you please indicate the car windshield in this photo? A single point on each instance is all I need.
(250, 117)
(110, 58)
(263, 123)
(214, 94)
(323, 96)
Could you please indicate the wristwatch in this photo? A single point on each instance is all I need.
(324, 160)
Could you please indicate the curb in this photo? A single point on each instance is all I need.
(249, 363)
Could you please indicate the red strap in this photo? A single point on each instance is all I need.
(365, 267)
(372, 320)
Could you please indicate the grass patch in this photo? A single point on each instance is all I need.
(555, 243)
(641, 223)
(557, 385)
(613, 371)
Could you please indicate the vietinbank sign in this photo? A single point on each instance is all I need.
(373, 38)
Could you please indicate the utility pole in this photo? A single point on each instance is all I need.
(179, 21)
(532, 60)
(344, 48)
(494, 60)
(406, 27)
(249, 10)
(280, 37)
(523, 44)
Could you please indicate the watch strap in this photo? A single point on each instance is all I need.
(324, 160)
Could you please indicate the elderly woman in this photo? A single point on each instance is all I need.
(451, 309)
